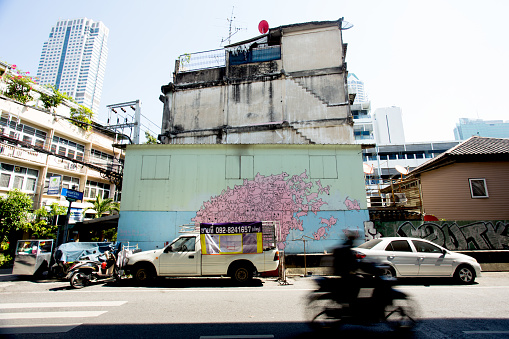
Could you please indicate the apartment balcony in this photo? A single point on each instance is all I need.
(68, 165)
(22, 154)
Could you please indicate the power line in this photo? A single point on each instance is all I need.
(150, 121)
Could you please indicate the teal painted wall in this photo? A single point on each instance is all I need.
(314, 191)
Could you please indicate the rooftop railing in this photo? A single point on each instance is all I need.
(190, 62)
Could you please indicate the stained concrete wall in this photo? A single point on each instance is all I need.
(307, 89)
(312, 49)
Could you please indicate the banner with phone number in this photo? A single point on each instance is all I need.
(231, 238)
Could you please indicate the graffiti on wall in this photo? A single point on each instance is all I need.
(453, 235)
(284, 198)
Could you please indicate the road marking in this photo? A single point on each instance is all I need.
(42, 328)
(486, 332)
(240, 336)
(47, 315)
(63, 304)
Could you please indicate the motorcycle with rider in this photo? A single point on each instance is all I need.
(359, 294)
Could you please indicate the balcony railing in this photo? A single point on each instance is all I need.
(191, 62)
(22, 153)
(202, 60)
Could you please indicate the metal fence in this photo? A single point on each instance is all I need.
(202, 60)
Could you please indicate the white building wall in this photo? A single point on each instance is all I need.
(27, 169)
(388, 126)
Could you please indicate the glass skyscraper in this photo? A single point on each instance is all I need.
(73, 59)
(483, 128)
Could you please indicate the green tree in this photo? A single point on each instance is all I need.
(43, 225)
(82, 114)
(151, 140)
(53, 100)
(40, 228)
(14, 220)
(57, 209)
(103, 206)
(19, 86)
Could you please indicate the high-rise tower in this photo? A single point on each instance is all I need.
(74, 60)
(357, 86)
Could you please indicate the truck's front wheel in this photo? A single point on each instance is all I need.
(242, 274)
(142, 274)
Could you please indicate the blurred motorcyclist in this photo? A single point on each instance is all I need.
(353, 273)
(345, 262)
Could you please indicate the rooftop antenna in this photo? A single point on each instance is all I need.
(230, 33)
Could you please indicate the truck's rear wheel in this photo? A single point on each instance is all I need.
(143, 274)
(242, 274)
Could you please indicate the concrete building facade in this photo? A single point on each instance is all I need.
(37, 144)
(388, 126)
(261, 131)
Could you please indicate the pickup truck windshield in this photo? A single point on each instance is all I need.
(185, 244)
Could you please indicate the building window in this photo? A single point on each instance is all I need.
(22, 178)
(478, 188)
(93, 189)
(12, 127)
(67, 148)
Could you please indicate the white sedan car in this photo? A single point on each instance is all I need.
(413, 257)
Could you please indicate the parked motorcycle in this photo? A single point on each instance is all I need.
(84, 273)
(359, 300)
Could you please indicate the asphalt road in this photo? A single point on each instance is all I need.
(216, 308)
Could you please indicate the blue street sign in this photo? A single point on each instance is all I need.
(72, 195)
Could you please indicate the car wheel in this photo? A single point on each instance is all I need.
(242, 274)
(143, 274)
(465, 275)
(388, 272)
(78, 280)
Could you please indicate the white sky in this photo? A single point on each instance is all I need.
(439, 60)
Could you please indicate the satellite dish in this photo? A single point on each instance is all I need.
(345, 25)
(401, 169)
(367, 168)
(263, 26)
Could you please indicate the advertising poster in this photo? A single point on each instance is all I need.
(231, 238)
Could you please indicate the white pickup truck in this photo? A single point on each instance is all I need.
(237, 250)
